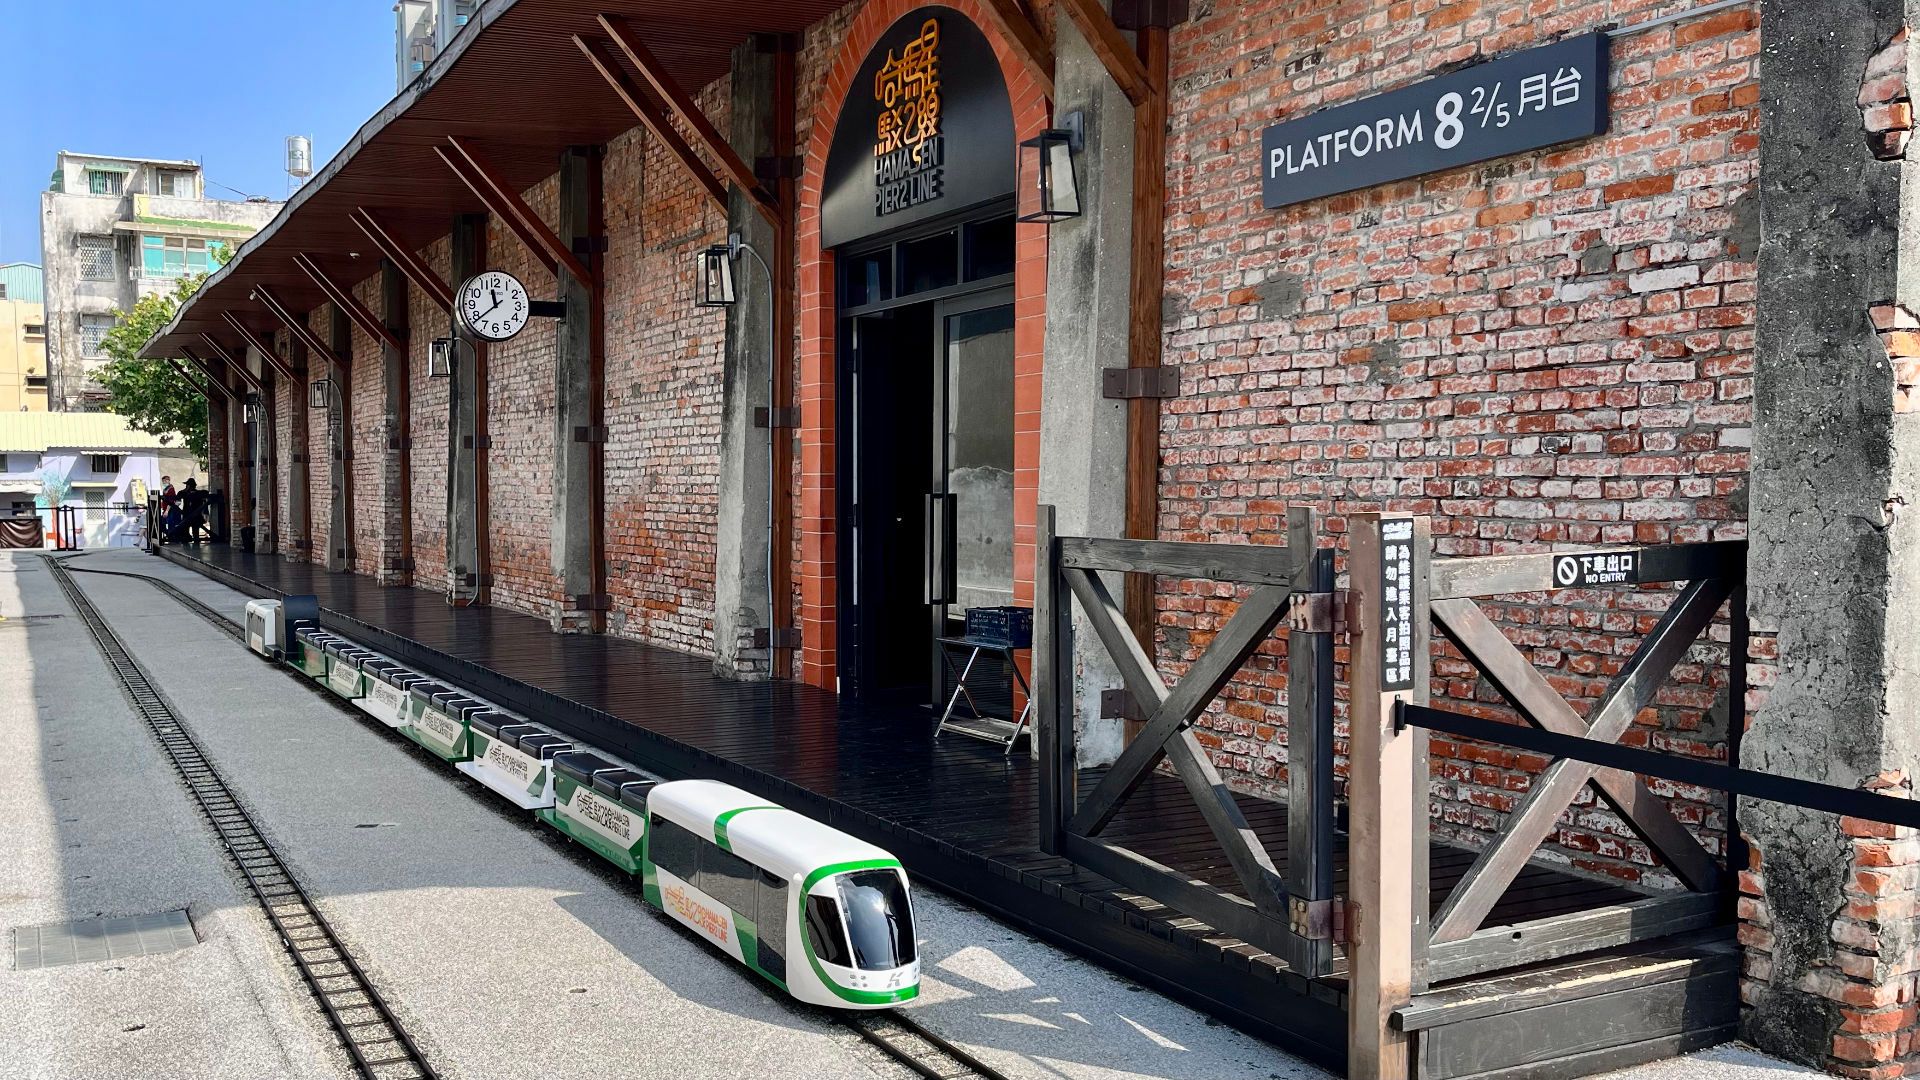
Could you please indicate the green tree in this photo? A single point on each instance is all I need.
(150, 393)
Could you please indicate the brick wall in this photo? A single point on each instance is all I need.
(520, 403)
(428, 425)
(369, 407)
(1544, 348)
(663, 393)
(289, 442)
(320, 423)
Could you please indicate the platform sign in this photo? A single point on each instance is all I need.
(1596, 568)
(1398, 635)
(1553, 94)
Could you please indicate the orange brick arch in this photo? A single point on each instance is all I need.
(818, 352)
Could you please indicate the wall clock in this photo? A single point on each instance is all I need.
(493, 305)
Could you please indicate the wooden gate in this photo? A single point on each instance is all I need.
(1289, 915)
(1400, 595)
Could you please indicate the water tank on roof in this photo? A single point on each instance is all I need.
(299, 156)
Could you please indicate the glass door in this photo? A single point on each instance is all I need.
(969, 519)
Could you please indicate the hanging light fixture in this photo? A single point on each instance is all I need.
(250, 409)
(716, 277)
(440, 357)
(319, 393)
(1049, 191)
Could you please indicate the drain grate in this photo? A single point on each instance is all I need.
(90, 940)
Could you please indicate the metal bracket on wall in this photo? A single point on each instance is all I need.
(1117, 704)
(592, 602)
(1311, 919)
(547, 309)
(399, 442)
(1319, 613)
(299, 458)
(787, 167)
(1134, 14)
(776, 418)
(1139, 382)
(402, 566)
(589, 245)
(485, 581)
(483, 442)
(594, 434)
(783, 637)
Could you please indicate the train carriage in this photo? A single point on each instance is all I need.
(601, 805)
(824, 915)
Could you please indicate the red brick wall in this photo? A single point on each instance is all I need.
(285, 447)
(427, 424)
(369, 405)
(520, 401)
(1548, 347)
(664, 388)
(319, 442)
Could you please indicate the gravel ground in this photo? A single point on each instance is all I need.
(98, 825)
(510, 952)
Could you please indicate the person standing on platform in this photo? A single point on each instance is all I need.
(193, 503)
(169, 511)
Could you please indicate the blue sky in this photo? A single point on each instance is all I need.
(222, 82)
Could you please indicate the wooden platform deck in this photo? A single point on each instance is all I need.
(959, 813)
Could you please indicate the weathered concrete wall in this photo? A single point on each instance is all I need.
(571, 547)
(1083, 437)
(462, 504)
(745, 520)
(1835, 563)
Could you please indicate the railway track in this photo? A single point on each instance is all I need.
(905, 1040)
(374, 1039)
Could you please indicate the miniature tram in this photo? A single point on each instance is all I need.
(824, 916)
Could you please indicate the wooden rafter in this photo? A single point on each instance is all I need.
(1553, 791)
(1028, 46)
(349, 303)
(1112, 48)
(252, 337)
(227, 358)
(689, 115)
(506, 204)
(423, 276)
(212, 380)
(342, 366)
(655, 121)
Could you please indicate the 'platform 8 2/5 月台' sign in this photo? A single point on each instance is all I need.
(1552, 94)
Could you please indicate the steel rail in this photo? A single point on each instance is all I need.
(907, 1041)
(374, 1039)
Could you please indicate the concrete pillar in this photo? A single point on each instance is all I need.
(395, 566)
(219, 440)
(745, 527)
(1835, 561)
(298, 543)
(1083, 437)
(464, 582)
(578, 432)
(340, 444)
(266, 492)
(238, 509)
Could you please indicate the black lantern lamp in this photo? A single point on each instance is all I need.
(1049, 191)
(250, 409)
(440, 357)
(716, 275)
(319, 393)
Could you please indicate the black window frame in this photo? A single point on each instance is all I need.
(823, 912)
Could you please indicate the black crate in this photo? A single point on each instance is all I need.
(1011, 626)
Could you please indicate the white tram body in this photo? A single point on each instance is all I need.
(824, 915)
(264, 628)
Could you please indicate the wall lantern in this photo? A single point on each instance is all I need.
(250, 409)
(440, 357)
(716, 276)
(1049, 191)
(319, 393)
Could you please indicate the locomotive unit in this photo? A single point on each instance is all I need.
(824, 916)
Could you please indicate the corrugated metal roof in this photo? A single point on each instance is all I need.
(28, 433)
(23, 281)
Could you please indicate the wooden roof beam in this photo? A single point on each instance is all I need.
(229, 362)
(299, 328)
(187, 376)
(684, 110)
(343, 297)
(507, 205)
(252, 337)
(1028, 46)
(1114, 51)
(654, 120)
(212, 379)
(417, 271)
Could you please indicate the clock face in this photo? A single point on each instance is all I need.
(493, 305)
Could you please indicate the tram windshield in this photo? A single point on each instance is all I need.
(879, 920)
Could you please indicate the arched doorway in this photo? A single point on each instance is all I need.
(919, 401)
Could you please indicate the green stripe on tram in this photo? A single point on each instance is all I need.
(720, 824)
(858, 997)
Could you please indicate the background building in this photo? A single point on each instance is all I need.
(114, 229)
(107, 466)
(421, 29)
(23, 339)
